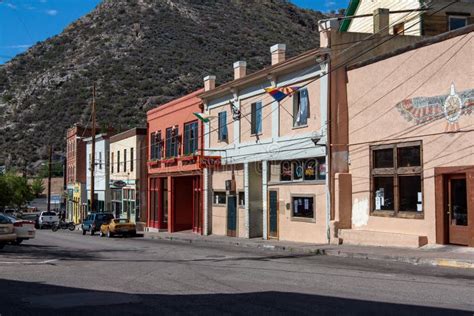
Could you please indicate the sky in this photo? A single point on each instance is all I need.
(25, 22)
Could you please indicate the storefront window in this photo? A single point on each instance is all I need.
(303, 170)
(219, 198)
(285, 174)
(303, 207)
(397, 180)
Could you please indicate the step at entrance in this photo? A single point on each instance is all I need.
(377, 238)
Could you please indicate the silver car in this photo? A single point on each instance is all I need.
(7, 234)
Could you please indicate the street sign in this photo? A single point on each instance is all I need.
(119, 184)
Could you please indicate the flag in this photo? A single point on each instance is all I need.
(280, 93)
(203, 117)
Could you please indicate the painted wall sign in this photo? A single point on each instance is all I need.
(422, 110)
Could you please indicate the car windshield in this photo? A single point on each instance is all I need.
(4, 219)
(49, 214)
(104, 216)
(120, 221)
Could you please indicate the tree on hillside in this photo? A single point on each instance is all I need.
(56, 170)
(37, 186)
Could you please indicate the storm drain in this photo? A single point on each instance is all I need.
(58, 301)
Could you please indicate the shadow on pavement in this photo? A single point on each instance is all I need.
(18, 298)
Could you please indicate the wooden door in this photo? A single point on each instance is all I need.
(457, 210)
(232, 216)
(272, 214)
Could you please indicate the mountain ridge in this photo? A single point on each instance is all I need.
(140, 53)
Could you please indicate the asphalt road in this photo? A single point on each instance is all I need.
(65, 273)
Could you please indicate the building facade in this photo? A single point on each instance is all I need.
(427, 18)
(410, 158)
(128, 175)
(175, 161)
(76, 172)
(272, 181)
(101, 175)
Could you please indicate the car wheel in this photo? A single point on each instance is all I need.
(17, 242)
(1, 246)
(109, 234)
(92, 232)
(83, 230)
(101, 233)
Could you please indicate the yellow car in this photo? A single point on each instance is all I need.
(118, 227)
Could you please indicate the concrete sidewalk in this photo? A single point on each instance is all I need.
(433, 255)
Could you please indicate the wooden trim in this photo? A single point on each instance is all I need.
(395, 173)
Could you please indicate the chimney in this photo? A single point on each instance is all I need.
(240, 69)
(278, 53)
(326, 28)
(209, 83)
(381, 21)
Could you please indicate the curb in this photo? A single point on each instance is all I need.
(321, 251)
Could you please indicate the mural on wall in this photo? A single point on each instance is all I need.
(452, 106)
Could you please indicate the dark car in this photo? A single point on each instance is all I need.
(93, 222)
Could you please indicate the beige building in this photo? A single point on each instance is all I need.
(128, 174)
(410, 17)
(410, 146)
(272, 181)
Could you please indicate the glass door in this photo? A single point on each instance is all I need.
(457, 210)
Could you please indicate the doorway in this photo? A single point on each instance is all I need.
(457, 210)
(273, 214)
(454, 195)
(232, 216)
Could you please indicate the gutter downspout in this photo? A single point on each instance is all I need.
(328, 151)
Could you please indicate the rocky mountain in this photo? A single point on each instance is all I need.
(140, 53)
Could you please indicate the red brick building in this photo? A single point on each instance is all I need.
(174, 165)
(76, 170)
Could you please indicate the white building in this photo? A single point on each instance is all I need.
(101, 175)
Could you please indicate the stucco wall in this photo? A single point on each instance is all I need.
(291, 229)
(373, 93)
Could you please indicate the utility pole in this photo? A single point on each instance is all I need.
(49, 176)
(93, 153)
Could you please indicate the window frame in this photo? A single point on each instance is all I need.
(172, 143)
(125, 160)
(131, 159)
(238, 198)
(214, 197)
(221, 128)
(191, 144)
(302, 219)
(296, 107)
(254, 108)
(395, 172)
(457, 16)
(156, 151)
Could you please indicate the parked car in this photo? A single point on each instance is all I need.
(34, 217)
(7, 235)
(118, 227)
(47, 219)
(23, 229)
(93, 222)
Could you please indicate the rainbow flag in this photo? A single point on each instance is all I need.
(280, 93)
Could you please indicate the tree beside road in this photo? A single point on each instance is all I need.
(14, 191)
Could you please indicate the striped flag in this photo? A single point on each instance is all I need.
(204, 117)
(280, 93)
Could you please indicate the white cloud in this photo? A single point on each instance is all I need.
(19, 46)
(52, 12)
(11, 6)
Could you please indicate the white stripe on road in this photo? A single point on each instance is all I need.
(29, 262)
